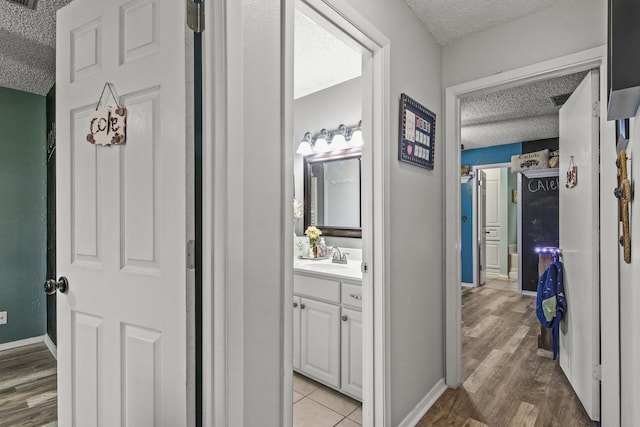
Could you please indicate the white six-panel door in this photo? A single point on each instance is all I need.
(122, 216)
(579, 228)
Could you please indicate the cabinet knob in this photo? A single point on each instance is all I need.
(302, 306)
(344, 318)
(295, 304)
(356, 296)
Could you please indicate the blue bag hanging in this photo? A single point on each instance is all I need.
(551, 303)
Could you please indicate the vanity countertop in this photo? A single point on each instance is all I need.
(350, 270)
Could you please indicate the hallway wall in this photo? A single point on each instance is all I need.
(23, 214)
(414, 214)
(569, 26)
(630, 293)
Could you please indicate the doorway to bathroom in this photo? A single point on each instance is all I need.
(496, 225)
(337, 67)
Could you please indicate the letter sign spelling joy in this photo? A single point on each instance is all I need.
(107, 125)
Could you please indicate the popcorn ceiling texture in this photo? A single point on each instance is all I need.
(522, 113)
(27, 46)
(320, 59)
(450, 20)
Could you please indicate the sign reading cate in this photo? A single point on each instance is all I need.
(107, 125)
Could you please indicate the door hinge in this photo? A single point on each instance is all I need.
(596, 109)
(597, 372)
(364, 267)
(195, 16)
(191, 254)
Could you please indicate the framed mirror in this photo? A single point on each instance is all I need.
(332, 201)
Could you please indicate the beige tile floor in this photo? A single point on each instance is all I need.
(315, 405)
(502, 285)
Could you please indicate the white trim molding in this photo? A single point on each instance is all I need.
(424, 405)
(51, 346)
(21, 343)
(467, 285)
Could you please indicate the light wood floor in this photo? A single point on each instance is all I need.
(28, 395)
(506, 383)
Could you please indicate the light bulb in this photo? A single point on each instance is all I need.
(321, 146)
(304, 148)
(339, 143)
(356, 139)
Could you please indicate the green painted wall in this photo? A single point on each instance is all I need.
(23, 214)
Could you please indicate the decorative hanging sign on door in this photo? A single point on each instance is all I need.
(572, 174)
(107, 125)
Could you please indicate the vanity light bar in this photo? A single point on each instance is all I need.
(331, 140)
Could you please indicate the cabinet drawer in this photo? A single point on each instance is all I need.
(352, 295)
(312, 287)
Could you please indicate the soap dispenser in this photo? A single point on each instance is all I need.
(322, 248)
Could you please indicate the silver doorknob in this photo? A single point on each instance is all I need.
(345, 318)
(53, 285)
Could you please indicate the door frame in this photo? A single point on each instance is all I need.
(223, 307)
(474, 233)
(609, 298)
(375, 47)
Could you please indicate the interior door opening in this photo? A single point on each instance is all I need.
(328, 183)
(539, 72)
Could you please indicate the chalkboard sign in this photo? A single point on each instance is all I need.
(540, 221)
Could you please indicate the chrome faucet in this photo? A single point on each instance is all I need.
(338, 257)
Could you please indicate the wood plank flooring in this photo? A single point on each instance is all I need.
(28, 390)
(506, 383)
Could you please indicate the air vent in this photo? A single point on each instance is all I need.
(559, 100)
(29, 4)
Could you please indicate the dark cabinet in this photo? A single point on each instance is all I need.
(623, 58)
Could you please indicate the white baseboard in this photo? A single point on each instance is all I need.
(468, 285)
(530, 293)
(51, 346)
(21, 343)
(423, 406)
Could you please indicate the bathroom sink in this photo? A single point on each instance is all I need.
(351, 269)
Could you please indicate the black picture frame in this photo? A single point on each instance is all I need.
(417, 133)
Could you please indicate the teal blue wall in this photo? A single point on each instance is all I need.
(23, 227)
(479, 156)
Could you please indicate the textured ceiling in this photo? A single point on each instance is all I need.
(320, 59)
(27, 46)
(450, 20)
(522, 113)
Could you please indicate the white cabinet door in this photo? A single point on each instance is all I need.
(296, 332)
(123, 216)
(352, 352)
(320, 340)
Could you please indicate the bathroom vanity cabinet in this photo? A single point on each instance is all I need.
(327, 330)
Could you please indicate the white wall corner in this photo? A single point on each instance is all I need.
(51, 346)
(423, 406)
